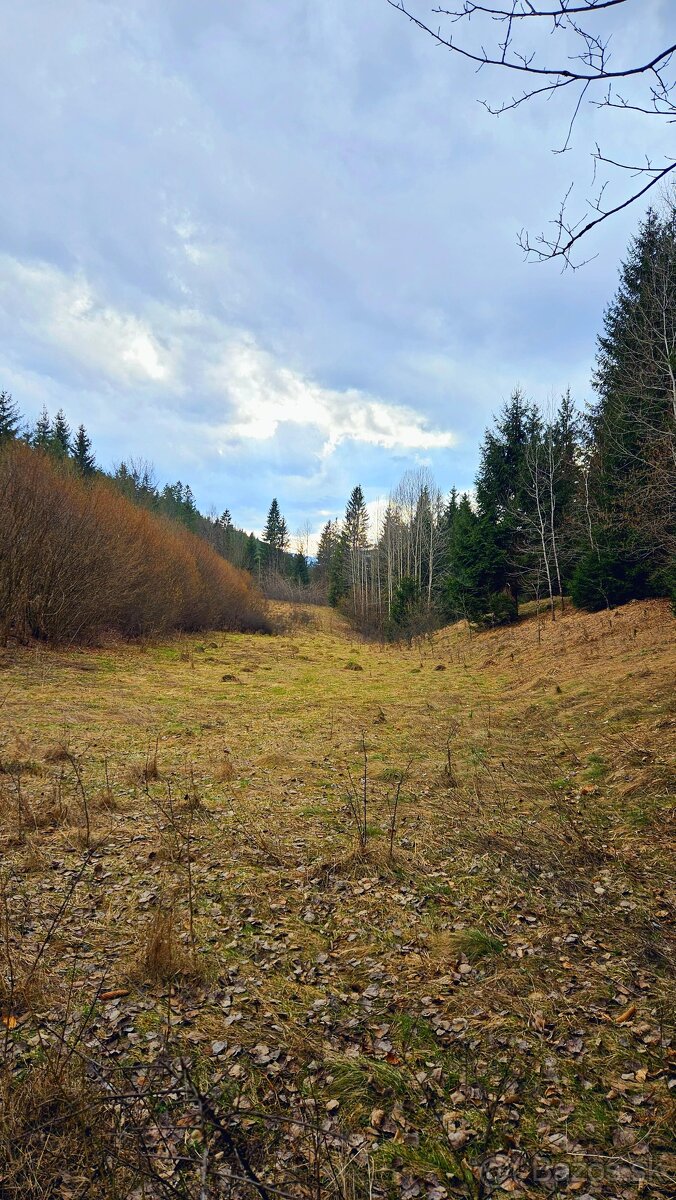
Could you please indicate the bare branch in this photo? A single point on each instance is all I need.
(584, 71)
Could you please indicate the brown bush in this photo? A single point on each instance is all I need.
(77, 558)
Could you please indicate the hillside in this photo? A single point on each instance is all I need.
(219, 972)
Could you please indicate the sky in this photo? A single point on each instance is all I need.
(271, 245)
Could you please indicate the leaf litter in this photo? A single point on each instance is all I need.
(473, 1004)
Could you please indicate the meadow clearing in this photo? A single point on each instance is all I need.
(308, 916)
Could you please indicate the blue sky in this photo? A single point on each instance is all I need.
(271, 245)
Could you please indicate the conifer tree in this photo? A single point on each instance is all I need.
(406, 609)
(299, 570)
(224, 524)
(475, 572)
(283, 536)
(326, 549)
(355, 539)
(338, 587)
(189, 510)
(9, 418)
(251, 556)
(503, 487)
(632, 427)
(42, 433)
(59, 440)
(275, 535)
(356, 520)
(82, 452)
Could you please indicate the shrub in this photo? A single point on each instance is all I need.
(77, 557)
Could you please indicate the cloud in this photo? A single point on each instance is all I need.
(63, 312)
(273, 246)
(221, 380)
(266, 395)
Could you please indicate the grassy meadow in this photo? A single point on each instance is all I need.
(231, 967)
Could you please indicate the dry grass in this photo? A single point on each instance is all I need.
(459, 994)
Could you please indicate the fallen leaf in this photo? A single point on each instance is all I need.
(9, 1020)
(458, 1138)
(626, 1015)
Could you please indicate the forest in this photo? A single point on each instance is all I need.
(565, 503)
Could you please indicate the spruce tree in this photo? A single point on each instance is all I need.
(82, 452)
(631, 447)
(59, 441)
(251, 557)
(355, 539)
(275, 535)
(406, 609)
(189, 511)
(299, 570)
(474, 580)
(283, 536)
(326, 548)
(41, 436)
(338, 585)
(503, 488)
(271, 531)
(356, 520)
(224, 524)
(9, 418)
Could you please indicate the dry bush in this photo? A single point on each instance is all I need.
(78, 559)
(161, 958)
(222, 770)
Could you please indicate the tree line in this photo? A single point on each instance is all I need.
(564, 503)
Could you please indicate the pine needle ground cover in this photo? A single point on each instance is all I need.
(312, 917)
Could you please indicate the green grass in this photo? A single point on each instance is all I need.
(477, 943)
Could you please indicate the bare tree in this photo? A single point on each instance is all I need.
(498, 35)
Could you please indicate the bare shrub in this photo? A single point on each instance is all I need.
(79, 558)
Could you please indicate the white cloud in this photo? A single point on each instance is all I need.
(64, 312)
(235, 390)
(266, 395)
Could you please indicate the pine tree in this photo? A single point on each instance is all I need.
(59, 441)
(9, 418)
(82, 453)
